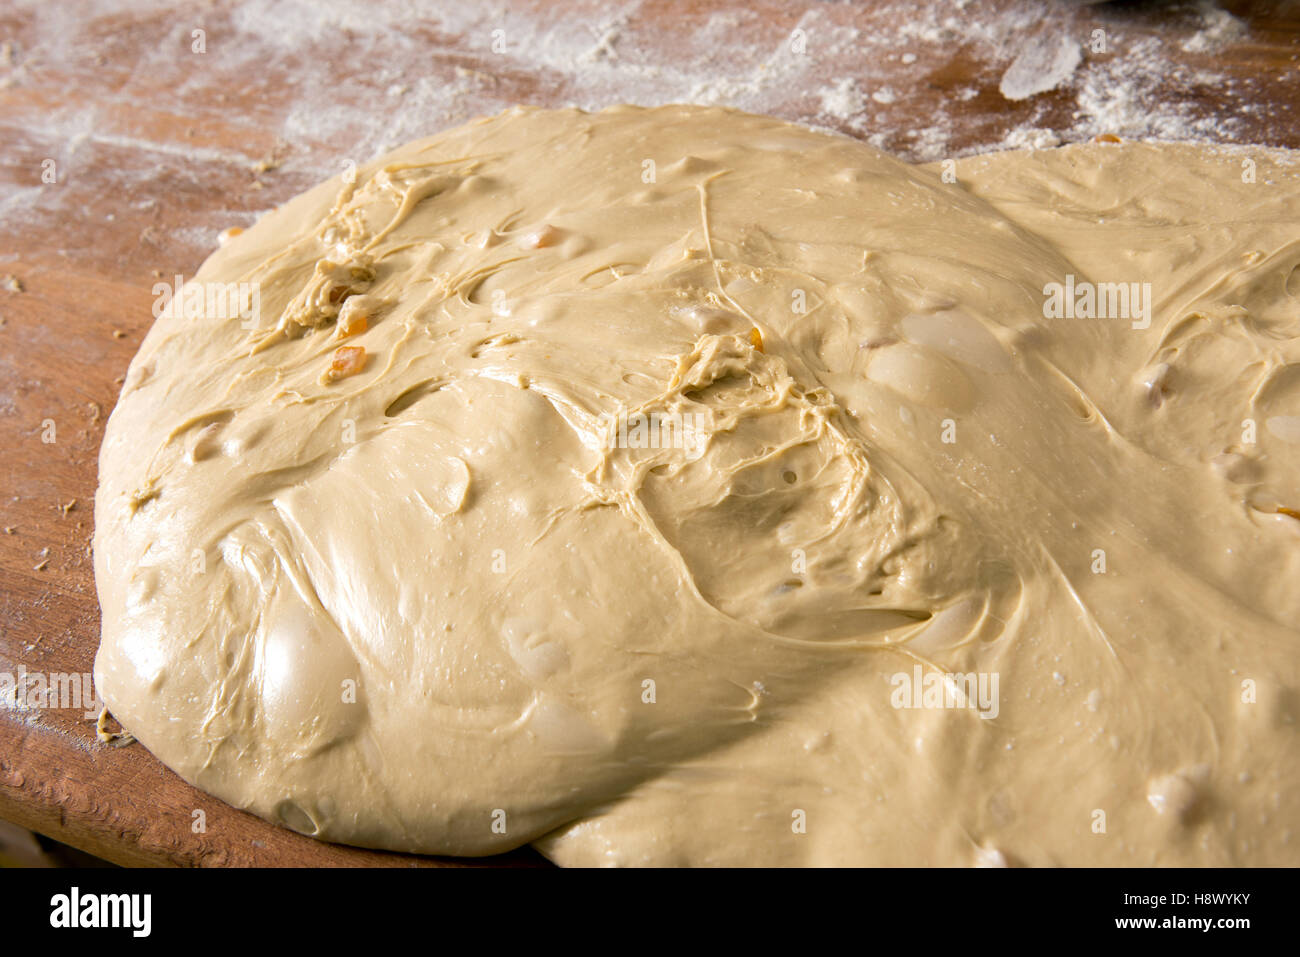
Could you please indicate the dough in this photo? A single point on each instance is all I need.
(680, 486)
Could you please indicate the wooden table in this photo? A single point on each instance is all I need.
(130, 140)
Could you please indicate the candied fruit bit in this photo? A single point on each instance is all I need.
(354, 317)
(1106, 138)
(1283, 510)
(756, 339)
(541, 237)
(352, 325)
(348, 360)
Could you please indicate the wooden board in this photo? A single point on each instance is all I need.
(154, 145)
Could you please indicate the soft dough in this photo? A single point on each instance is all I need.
(424, 602)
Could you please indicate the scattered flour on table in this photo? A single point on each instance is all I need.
(1218, 27)
(843, 98)
(1030, 138)
(1043, 63)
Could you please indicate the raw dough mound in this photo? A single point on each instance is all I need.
(682, 486)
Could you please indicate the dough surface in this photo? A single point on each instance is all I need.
(688, 449)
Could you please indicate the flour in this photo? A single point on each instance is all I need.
(1121, 96)
(843, 99)
(1030, 138)
(1219, 27)
(1043, 64)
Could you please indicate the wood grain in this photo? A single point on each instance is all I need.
(157, 148)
